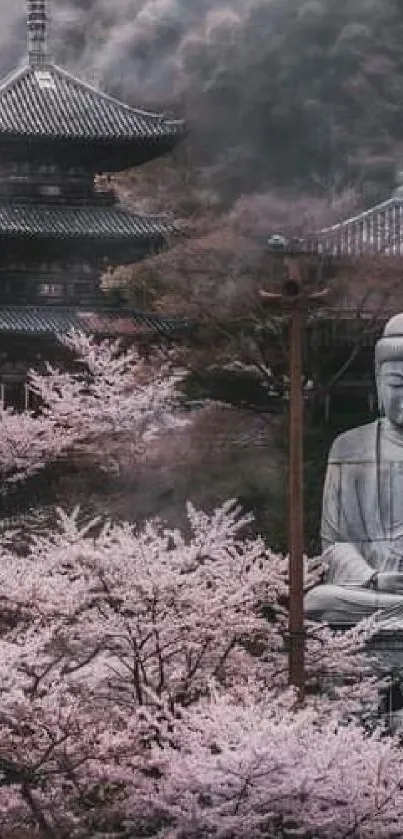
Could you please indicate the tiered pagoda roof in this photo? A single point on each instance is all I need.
(57, 133)
(69, 222)
(50, 102)
(46, 103)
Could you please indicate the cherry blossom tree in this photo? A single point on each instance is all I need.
(111, 391)
(144, 692)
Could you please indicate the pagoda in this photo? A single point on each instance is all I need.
(59, 229)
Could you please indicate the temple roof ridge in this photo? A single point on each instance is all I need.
(377, 230)
(376, 208)
(14, 75)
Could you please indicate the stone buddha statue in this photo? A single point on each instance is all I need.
(362, 514)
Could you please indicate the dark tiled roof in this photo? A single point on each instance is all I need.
(130, 324)
(74, 221)
(33, 320)
(378, 230)
(51, 103)
(53, 320)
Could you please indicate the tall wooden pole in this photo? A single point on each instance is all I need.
(294, 301)
(295, 504)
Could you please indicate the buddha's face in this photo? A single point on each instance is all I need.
(390, 390)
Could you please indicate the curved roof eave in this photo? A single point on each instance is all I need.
(48, 102)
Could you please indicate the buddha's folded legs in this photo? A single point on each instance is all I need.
(341, 605)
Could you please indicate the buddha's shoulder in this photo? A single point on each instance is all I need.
(356, 445)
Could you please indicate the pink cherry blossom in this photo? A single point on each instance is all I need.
(111, 391)
(143, 683)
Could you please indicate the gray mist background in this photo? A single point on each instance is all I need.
(306, 94)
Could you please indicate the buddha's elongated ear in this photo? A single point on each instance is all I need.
(379, 388)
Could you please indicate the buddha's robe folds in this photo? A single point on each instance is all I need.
(362, 526)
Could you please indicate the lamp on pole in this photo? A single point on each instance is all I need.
(293, 300)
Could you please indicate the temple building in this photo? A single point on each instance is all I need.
(366, 250)
(363, 257)
(60, 230)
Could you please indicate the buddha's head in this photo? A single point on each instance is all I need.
(389, 370)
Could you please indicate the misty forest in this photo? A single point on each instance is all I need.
(157, 679)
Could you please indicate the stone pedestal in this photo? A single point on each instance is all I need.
(387, 647)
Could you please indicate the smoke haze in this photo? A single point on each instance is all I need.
(143, 45)
(301, 93)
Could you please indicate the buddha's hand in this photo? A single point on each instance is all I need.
(390, 582)
(314, 571)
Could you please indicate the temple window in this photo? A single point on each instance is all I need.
(15, 391)
(53, 290)
(16, 395)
